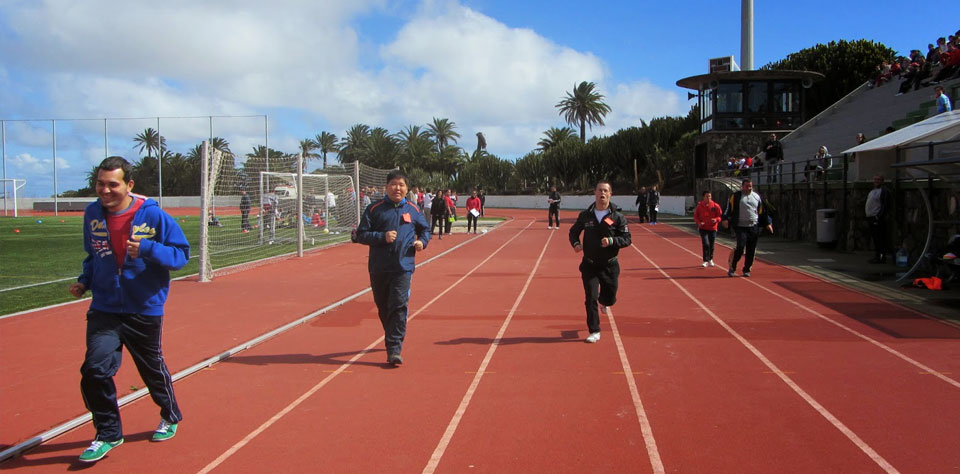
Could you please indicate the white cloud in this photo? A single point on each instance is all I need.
(184, 58)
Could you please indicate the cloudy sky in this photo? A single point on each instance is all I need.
(495, 66)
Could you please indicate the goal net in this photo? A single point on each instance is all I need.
(258, 210)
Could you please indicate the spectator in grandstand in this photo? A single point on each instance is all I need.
(132, 245)
(943, 102)
(642, 204)
(605, 232)
(244, 211)
(553, 208)
(933, 55)
(824, 161)
(915, 72)
(942, 44)
(861, 138)
(653, 203)
(876, 209)
(451, 210)
(395, 230)
(949, 65)
(745, 213)
(473, 210)
(773, 155)
(707, 216)
(439, 213)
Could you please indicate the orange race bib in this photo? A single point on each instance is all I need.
(608, 221)
(406, 217)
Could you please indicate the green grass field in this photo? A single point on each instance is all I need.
(39, 262)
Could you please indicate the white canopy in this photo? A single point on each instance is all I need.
(932, 126)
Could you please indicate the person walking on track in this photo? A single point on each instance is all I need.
(473, 211)
(642, 204)
(395, 230)
(605, 232)
(653, 203)
(131, 247)
(745, 213)
(707, 215)
(553, 214)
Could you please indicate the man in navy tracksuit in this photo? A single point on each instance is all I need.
(605, 232)
(131, 247)
(395, 230)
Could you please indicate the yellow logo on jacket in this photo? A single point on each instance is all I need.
(143, 231)
(98, 228)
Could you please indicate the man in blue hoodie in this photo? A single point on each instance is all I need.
(131, 247)
(395, 230)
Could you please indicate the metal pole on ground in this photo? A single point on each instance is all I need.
(56, 202)
(160, 164)
(3, 150)
(106, 149)
(300, 194)
(205, 268)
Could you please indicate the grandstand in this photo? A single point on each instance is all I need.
(865, 110)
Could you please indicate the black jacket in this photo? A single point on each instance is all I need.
(555, 195)
(642, 199)
(593, 231)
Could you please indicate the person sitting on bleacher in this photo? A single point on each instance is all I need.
(933, 55)
(949, 64)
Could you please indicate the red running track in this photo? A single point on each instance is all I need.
(704, 373)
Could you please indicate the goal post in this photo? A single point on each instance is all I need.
(11, 184)
(260, 210)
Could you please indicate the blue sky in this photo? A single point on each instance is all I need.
(488, 65)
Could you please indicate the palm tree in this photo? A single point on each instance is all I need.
(555, 136)
(416, 145)
(443, 132)
(150, 140)
(221, 144)
(353, 146)
(306, 148)
(326, 142)
(583, 106)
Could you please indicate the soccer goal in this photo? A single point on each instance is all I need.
(263, 209)
(10, 188)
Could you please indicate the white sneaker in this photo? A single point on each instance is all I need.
(592, 338)
(704, 265)
(711, 263)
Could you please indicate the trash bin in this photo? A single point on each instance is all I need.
(827, 228)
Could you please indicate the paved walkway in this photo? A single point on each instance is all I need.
(849, 269)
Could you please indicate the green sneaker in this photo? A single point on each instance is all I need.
(164, 431)
(98, 449)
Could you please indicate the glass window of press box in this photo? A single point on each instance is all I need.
(751, 105)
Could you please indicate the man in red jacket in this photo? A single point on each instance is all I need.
(707, 216)
(473, 210)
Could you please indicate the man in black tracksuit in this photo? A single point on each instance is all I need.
(605, 232)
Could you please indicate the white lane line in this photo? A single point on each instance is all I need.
(462, 408)
(936, 373)
(870, 452)
(267, 424)
(645, 427)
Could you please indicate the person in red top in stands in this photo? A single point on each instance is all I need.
(707, 216)
(473, 204)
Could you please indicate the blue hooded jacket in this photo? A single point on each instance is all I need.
(382, 217)
(141, 284)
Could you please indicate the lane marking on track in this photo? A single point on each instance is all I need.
(80, 420)
(648, 440)
(940, 375)
(267, 424)
(870, 452)
(462, 408)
